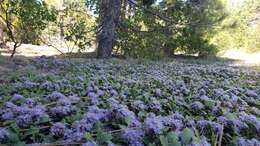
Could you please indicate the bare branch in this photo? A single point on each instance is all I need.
(50, 45)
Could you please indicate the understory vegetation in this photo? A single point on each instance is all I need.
(129, 73)
(49, 101)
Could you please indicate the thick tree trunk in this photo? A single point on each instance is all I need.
(2, 43)
(109, 17)
(168, 46)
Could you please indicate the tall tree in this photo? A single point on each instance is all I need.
(24, 20)
(1, 33)
(109, 17)
(108, 23)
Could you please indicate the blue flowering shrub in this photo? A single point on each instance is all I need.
(129, 103)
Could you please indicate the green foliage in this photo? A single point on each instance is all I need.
(171, 139)
(74, 25)
(187, 136)
(144, 35)
(241, 28)
(193, 43)
(129, 76)
(80, 25)
(26, 19)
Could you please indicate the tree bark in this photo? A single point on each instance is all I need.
(109, 19)
(2, 43)
(168, 46)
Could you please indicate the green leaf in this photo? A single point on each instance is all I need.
(210, 103)
(44, 119)
(15, 128)
(19, 143)
(173, 139)
(187, 136)
(13, 137)
(151, 144)
(32, 131)
(163, 140)
(88, 136)
(104, 137)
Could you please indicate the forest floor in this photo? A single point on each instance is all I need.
(126, 102)
(29, 50)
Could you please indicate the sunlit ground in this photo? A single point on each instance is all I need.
(247, 58)
(29, 50)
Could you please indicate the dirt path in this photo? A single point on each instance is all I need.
(249, 58)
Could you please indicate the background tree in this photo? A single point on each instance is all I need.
(2, 27)
(171, 26)
(240, 29)
(74, 27)
(108, 22)
(24, 20)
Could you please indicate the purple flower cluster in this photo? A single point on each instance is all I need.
(158, 92)
(71, 135)
(203, 124)
(252, 119)
(62, 111)
(17, 97)
(90, 143)
(46, 62)
(79, 128)
(3, 134)
(24, 114)
(218, 92)
(29, 102)
(93, 92)
(96, 114)
(113, 92)
(63, 106)
(239, 122)
(94, 89)
(138, 105)
(179, 88)
(122, 112)
(247, 142)
(93, 98)
(173, 121)
(74, 99)
(153, 124)
(64, 102)
(197, 106)
(251, 93)
(58, 129)
(29, 84)
(54, 96)
(47, 85)
(202, 142)
(155, 105)
(133, 137)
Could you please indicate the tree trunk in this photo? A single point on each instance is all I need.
(109, 19)
(14, 50)
(168, 46)
(2, 43)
